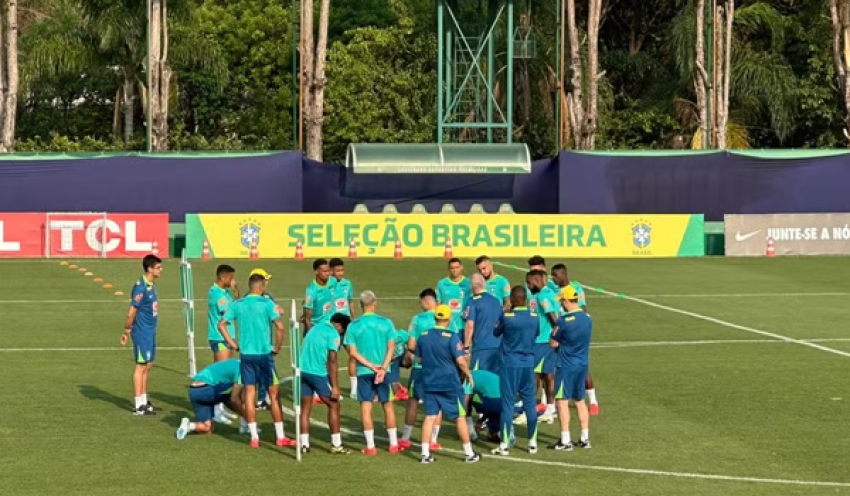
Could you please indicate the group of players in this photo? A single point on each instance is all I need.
(477, 344)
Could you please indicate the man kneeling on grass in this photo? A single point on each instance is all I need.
(218, 383)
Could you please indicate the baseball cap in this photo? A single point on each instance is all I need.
(567, 293)
(260, 272)
(443, 312)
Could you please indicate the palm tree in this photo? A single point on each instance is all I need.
(761, 78)
(76, 36)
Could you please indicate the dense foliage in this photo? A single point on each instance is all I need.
(234, 87)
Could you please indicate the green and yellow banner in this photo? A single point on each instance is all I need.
(426, 235)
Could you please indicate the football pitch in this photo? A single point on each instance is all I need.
(714, 376)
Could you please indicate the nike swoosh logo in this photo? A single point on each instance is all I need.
(744, 237)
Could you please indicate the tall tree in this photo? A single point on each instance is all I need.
(160, 75)
(9, 73)
(313, 58)
(582, 112)
(839, 11)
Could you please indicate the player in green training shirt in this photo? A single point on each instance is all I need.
(454, 291)
(221, 294)
(343, 295)
(254, 314)
(319, 375)
(497, 285)
(216, 384)
(371, 341)
(319, 297)
(262, 389)
(562, 279)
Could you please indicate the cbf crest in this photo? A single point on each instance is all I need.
(249, 233)
(642, 234)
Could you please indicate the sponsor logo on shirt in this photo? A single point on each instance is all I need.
(454, 304)
(533, 305)
(326, 308)
(340, 304)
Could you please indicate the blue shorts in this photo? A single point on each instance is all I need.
(394, 374)
(544, 359)
(312, 383)
(367, 390)
(485, 360)
(218, 345)
(412, 392)
(449, 402)
(144, 347)
(205, 398)
(258, 370)
(569, 384)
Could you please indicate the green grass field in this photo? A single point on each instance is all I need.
(714, 376)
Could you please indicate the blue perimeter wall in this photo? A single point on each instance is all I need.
(714, 184)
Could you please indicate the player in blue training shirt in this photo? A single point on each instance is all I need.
(562, 279)
(454, 291)
(571, 339)
(482, 315)
(419, 324)
(544, 357)
(518, 329)
(343, 302)
(263, 389)
(441, 354)
(254, 315)
(371, 341)
(497, 285)
(212, 386)
(319, 297)
(319, 365)
(141, 326)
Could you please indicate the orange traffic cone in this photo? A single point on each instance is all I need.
(352, 249)
(397, 253)
(155, 248)
(299, 250)
(447, 253)
(205, 253)
(771, 249)
(254, 253)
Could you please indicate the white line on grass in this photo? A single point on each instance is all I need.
(602, 344)
(714, 320)
(599, 468)
(412, 298)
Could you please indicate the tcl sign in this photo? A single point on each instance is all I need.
(83, 235)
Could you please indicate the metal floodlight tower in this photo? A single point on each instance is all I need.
(475, 50)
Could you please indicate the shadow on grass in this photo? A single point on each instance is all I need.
(177, 401)
(95, 393)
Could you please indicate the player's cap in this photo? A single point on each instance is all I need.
(443, 312)
(567, 293)
(260, 272)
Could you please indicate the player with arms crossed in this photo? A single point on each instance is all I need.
(518, 329)
(571, 339)
(343, 294)
(562, 279)
(254, 315)
(454, 291)
(141, 326)
(419, 324)
(441, 354)
(497, 285)
(212, 386)
(319, 365)
(371, 341)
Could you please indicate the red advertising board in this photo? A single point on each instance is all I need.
(83, 235)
